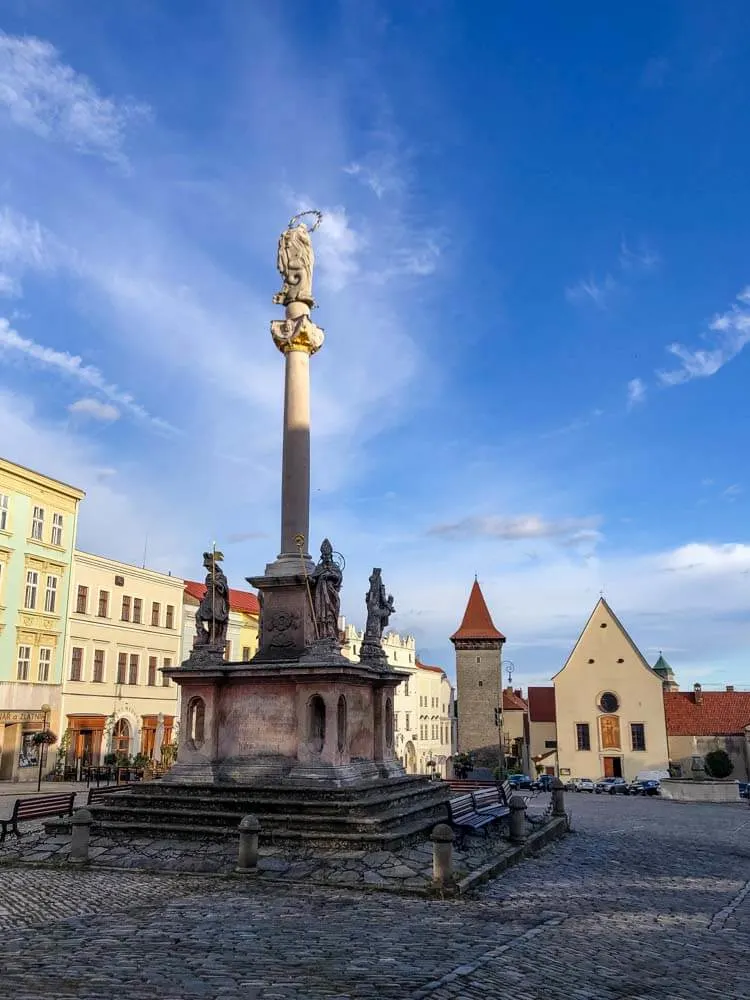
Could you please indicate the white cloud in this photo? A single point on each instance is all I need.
(729, 334)
(72, 366)
(733, 491)
(95, 409)
(526, 526)
(43, 94)
(591, 289)
(10, 287)
(642, 259)
(636, 392)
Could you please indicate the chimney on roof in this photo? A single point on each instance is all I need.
(517, 692)
(730, 687)
(698, 694)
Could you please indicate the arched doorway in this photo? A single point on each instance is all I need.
(121, 738)
(411, 758)
(316, 727)
(341, 724)
(196, 722)
(389, 724)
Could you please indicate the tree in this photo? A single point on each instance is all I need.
(462, 764)
(718, 764)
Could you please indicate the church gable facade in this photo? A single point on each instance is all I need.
(609, 705)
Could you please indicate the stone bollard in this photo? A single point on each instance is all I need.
(79, 843)
(517, 819)
(558, 798)
(442, 838)
(247, 860)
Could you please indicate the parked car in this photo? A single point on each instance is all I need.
(519, 780)
(611, 786)
(744, 789)
(583, 785)
(543, 783)
(648, 787)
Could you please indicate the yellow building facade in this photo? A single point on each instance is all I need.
(38, 522)
(609, 706)
(124, 626)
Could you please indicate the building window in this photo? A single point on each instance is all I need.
(76, 664)
(37, 523)
(550, 744)
(164, 678)
(103, 611)
(169, 623)
(245, 653)
(24, 658)
(638, 736)
(98, 666)
(57, 526)
(126, 609)
(155, 613)
(45, 659)
(133, 669)
(583, 737)
(121, 738)
(137, 610)
(32, 584)
(151, 671)
(406, 691)
(50, 596)
(82, 600)
(122, 666)
(4, 501)
(408, 727)
(609, 702)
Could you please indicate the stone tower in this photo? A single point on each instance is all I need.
(478, 675)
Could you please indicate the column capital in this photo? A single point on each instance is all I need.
(297, 334)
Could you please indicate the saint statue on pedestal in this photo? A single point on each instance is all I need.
(326, 581)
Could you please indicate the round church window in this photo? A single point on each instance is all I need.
(609, 702)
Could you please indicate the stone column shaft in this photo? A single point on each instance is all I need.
(295, 472)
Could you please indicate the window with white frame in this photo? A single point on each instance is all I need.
(45, 661)
(24, 659)
(50, 595)
(37, 523)
(57, 526)
(98, 674)
(4, 505)
(32, 585)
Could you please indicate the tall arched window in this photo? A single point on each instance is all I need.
(121, 738)
(389, 723)
(196, 721)
(341, 724)
(316, 722)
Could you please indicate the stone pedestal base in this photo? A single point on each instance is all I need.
(321, 719)
(286, 626)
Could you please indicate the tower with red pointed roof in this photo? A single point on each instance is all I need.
(478, 647)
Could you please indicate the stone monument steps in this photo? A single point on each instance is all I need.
(157, 816)
(267, 800)
(386, 839)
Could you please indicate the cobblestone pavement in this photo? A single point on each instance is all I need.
(648, 900)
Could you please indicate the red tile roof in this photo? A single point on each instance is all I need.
(426, 666)
(512, 702)
(239, 600)
(721, 713)
(541, 704)
(477, 622)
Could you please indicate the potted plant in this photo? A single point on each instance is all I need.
(45, 737)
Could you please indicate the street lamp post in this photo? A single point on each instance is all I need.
(510, 665)
(46, 709)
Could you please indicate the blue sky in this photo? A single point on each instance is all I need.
(533, 275)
